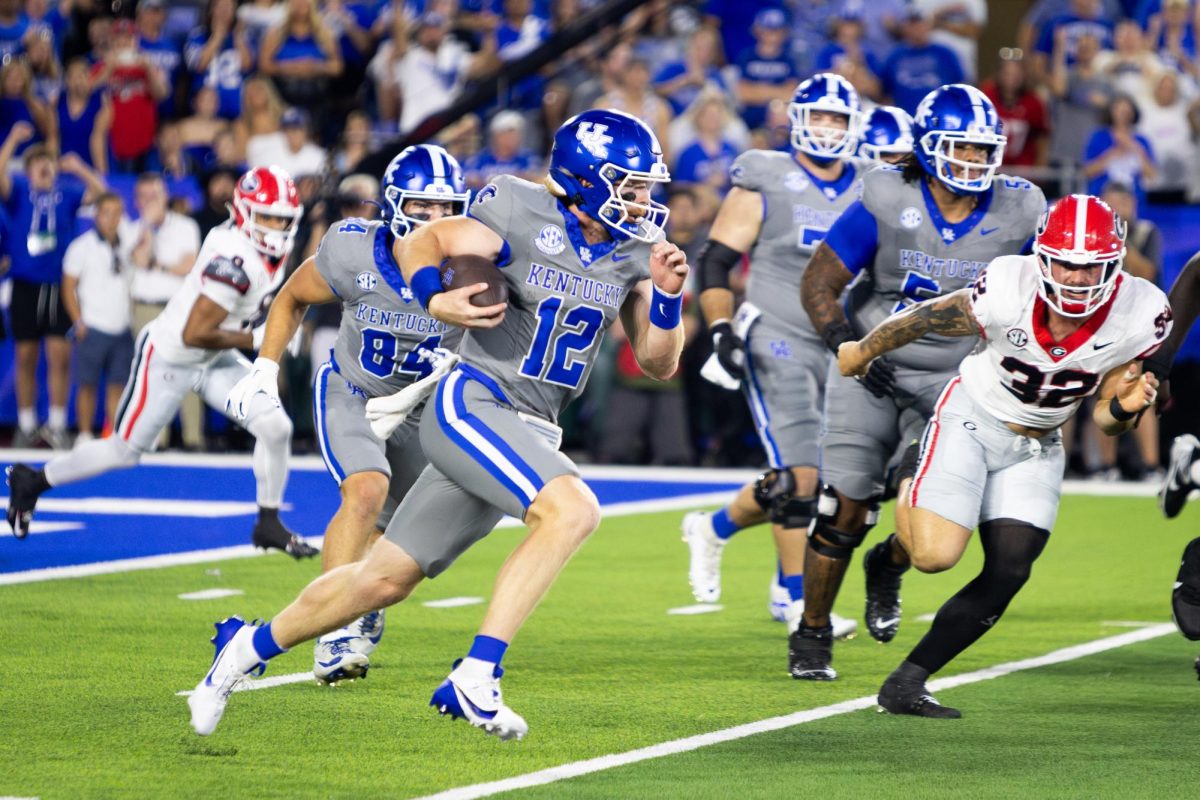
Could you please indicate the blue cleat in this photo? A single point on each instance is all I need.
(207, 701)
(479, 702)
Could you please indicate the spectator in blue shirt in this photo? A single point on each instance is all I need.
(18, 104)
(13, 24)
(84, 118)
(41, 209)
(218, 54)
(918, 66)
(1174, 36)
(43, 64)
(848, 55)
(302, 56)
(1085, 18)
(504, 153)
(734, 19)
(163, 52)
(708, 158)
(680, 83)
(519, 34)
(766, 70)
(1117, 153)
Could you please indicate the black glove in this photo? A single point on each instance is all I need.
(730, 349)
(880, 379)
(836, 334)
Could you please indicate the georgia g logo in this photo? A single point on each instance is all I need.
(250, 183)
(593, 138)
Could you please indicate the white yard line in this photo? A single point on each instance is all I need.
(588, 766)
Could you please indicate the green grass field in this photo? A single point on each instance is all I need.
(88, 704)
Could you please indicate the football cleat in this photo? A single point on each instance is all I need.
(704, 570)
(25, 485)
(335, 658)
(898, 696)
(842, 628)
(270, 534)
(778, 600)
(1185, 596)
(369, 627)
(810, 653)
(479, 702)
(1178, 481)
(208, 700)
(883, 594)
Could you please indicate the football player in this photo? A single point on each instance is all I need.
(192, 346)
(383, 345)
(574, 252)
(886, 136)
(1057, 326)
(780, 207)
(922, 229)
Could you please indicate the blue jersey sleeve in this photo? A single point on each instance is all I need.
(854, 237)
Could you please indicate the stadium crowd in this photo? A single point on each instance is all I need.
(141, 120)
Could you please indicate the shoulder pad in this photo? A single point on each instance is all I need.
(229, 271)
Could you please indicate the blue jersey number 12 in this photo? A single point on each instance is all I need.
(565, 341)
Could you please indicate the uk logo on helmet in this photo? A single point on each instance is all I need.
(593, 138)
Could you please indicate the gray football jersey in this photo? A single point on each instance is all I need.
(562, 295)
(383, 326)
(798, 210)
(919, 255)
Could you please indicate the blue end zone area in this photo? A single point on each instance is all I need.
(155, 510)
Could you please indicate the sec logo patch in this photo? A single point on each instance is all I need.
(366, 281)
(1017, 337)
(550, 240)
(910, 218)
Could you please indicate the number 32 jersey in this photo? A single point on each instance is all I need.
(562, 295)
(1022, 374)
(383, 328)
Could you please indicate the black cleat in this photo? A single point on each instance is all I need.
(1185, 597)
(25, 485)
(1177, 483)
(270, 533)
(883, 593)
(899, 696)
(810, 653)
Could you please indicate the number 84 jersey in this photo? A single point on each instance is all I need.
(1021, 374)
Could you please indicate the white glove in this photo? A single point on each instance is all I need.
(714, 372)
(262, 378)
(257, 335)
(389, 412)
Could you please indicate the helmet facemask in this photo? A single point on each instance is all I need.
(823, 141)
(623, 213)
(267, 239)
(940, 148)
(403, 224)
(1077, 301)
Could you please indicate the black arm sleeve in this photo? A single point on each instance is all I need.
(716, 260)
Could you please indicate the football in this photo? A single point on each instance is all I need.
(461, 271)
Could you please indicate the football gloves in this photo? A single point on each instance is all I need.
(263, 378)
(729, 347)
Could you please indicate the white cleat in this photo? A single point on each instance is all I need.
(842, 628)
(336, 659)
(208, 700)
(369, 629)
(778, 600)
(704, 570)
(1177, 483)
(479, 702)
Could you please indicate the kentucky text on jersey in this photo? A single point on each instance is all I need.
(590, 289)
(397, 320)
(940, 267)
(815, 218)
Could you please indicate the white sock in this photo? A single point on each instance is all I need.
(245, 657)
(58, 418)
(27, 419)
(272, 447)
(91, 459)
(475, 668)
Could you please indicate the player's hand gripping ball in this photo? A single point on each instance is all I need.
(464, 271)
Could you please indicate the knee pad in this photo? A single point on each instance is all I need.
(830, 541)
(1185, 599)
(771, 484)
(272, 426)
(775, 493)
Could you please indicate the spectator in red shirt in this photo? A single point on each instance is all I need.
(136, 87)
(1021, 110)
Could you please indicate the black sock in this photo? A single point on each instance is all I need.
(268, 514)
(909, 672)
(1010, 548)
(894, 558)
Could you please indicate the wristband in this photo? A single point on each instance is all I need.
(1118, 411)
(266, 365)
(836, 334)
(665, 309)
(425, 283)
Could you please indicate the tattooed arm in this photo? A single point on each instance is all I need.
(821, 287)
(949, 315)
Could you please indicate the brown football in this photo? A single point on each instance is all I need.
(461, 271)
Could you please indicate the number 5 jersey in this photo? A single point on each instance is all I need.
(1022, 374)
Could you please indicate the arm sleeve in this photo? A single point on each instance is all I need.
(854, 237)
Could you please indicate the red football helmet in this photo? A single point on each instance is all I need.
(267, 192)
(1079, 230)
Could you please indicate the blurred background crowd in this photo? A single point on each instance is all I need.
(154, 108)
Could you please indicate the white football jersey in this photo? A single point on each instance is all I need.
(1021, 374)
(234, 275)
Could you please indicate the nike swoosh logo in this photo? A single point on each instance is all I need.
(328, 664)
(986, 231)
(888, 623)
(616, 258)
(1101, 346)
(662, 309)
(479, 712)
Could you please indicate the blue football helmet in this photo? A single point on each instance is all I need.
(600, 161)
(825, 91)
(958, 114)
(886, 131)
(422, 172)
